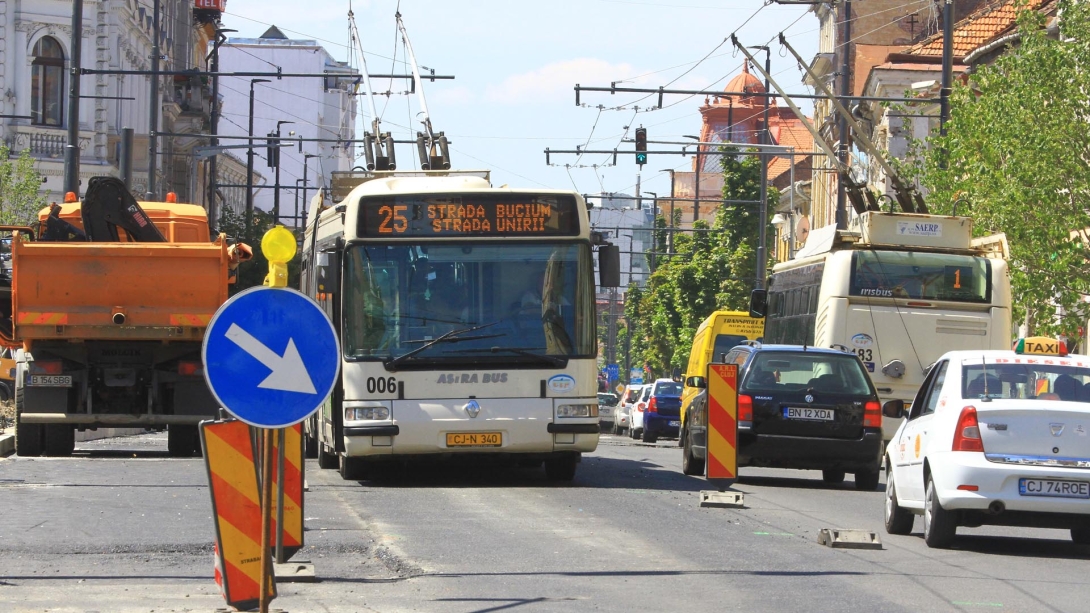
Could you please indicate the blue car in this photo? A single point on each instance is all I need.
(661, 416)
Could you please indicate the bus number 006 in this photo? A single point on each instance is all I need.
(381, 385)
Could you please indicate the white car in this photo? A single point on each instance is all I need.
(622, 415)
(636, 413)
(994, 437)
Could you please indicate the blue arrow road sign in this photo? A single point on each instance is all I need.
(271, 356)
(612, 371)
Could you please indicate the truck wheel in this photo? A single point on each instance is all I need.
(182, 440)
(60, 440)
(5, 390)
(28, 437)
(561, 469)
(326, 459)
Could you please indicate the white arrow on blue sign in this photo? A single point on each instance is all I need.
(271, 356)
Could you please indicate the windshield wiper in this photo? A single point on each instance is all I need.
(551, 360)
(450, 337)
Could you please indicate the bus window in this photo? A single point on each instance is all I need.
(724, 343)
(921, 276)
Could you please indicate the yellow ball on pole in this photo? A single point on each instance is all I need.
(278, 246)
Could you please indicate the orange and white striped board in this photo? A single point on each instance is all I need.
(293, 490)
(722, 424)
(236, 507)
(42, 319)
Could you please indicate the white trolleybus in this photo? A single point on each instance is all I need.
(898, 290)
(467, 321)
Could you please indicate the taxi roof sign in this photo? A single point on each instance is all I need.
(1040, 345)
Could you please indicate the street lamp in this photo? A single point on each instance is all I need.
(306, 176)
(250, 163)
(276, 192)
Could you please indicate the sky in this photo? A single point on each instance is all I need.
(516, 65)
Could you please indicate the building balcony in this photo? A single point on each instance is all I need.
(45, 142)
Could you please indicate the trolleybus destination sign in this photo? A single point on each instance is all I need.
(475, 215)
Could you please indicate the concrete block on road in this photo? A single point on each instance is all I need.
(849, 539)
(7, 445)
(295, 572)
(722, 500)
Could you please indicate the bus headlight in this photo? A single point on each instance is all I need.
(577, 410)
(373, 413)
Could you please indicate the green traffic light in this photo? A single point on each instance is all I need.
(641, 158)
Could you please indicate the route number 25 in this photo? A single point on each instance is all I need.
(394, 219)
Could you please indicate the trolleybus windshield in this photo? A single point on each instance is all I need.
(921, 276)
(509, 303)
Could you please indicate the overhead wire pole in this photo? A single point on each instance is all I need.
(845, 90)
(71, 147)
(762, 242)
(154, 102)
(214, 117)
(947, 70)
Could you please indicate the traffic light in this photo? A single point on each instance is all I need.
(272, 151)
(641, 146)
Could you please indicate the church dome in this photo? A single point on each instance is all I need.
(745, 82)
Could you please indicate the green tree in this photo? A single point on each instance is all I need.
(20, 188)
(1017, 149)
(712, 268)
(252, 273)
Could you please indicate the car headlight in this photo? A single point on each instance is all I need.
(366, 413)
(577, 410)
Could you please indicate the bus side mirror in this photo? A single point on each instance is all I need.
(328, 269)
(697, 382)
(758, 303)
(609, 266)
(894, 408)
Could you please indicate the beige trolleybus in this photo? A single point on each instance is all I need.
(898, 290)
(467, 321)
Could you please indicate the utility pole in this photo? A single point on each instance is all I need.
(276, 194)
(842, 123)
(71, 148)
(214, 116)
(765, 139)
(947, 66)
(153, 121)
(250, 163)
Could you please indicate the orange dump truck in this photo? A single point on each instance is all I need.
(108, 333)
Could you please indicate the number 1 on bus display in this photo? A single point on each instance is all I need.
(957, 277)
(394, 214)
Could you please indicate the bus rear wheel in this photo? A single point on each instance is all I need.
(28, 437)
(182, 440)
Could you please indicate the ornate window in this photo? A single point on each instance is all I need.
(47, 83)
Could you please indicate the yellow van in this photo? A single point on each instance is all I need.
(716, 335)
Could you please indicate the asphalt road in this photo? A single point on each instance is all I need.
(121, 527)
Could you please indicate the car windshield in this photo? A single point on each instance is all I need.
(632, 395)
(607, 399)
(668, 389)
(837, 373)
(502, 302)
(1025, 382)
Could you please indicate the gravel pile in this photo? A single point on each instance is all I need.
(7, 416)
